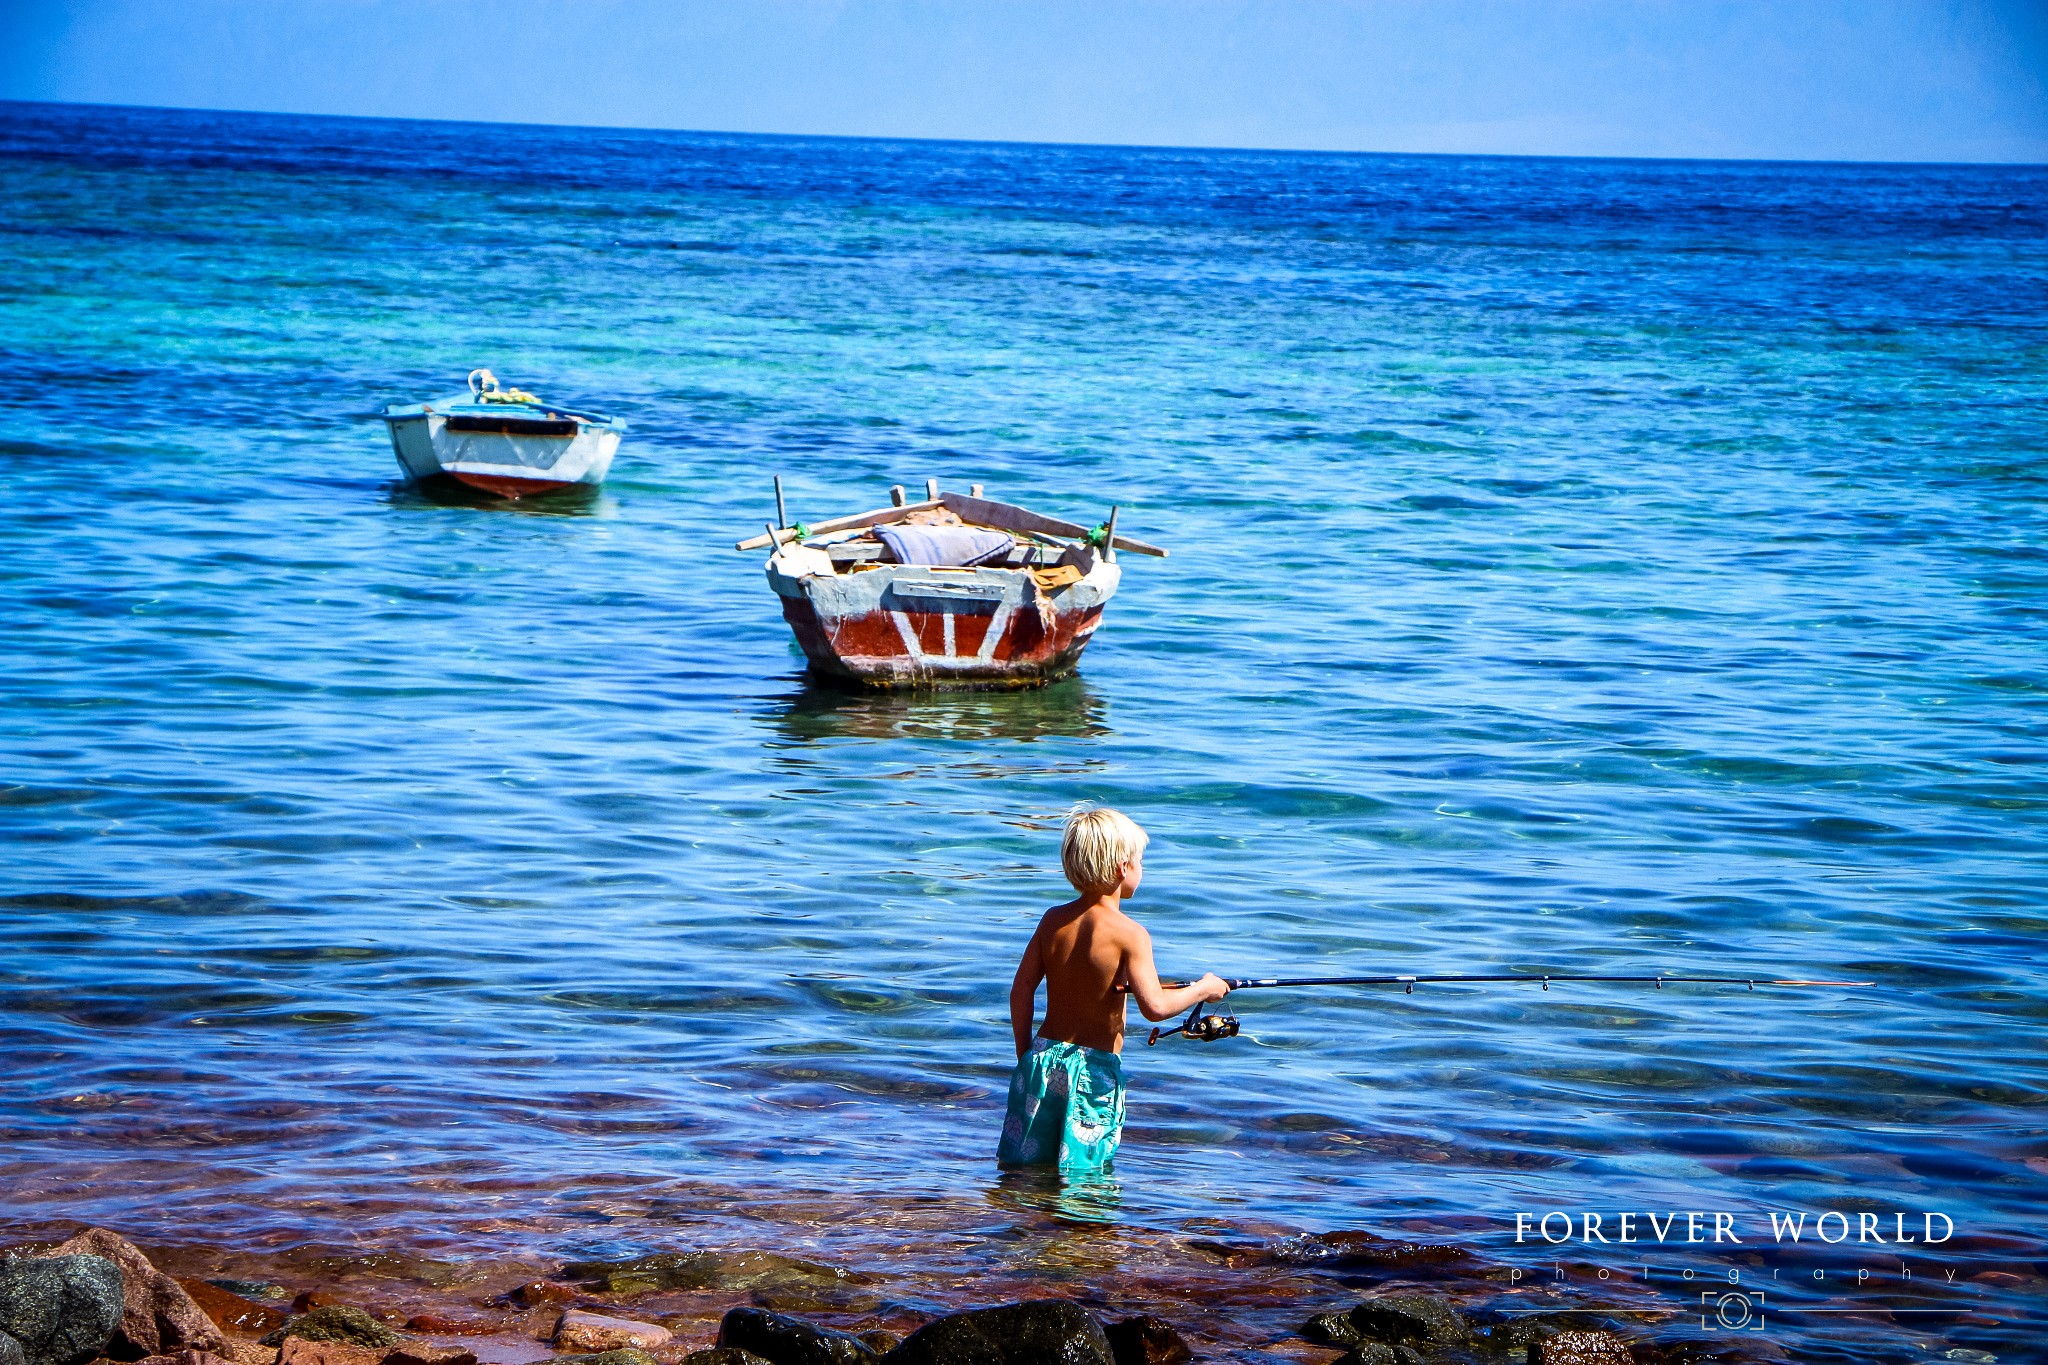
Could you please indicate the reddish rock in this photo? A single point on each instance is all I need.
(250, 1353)
(157, 1316)
(442, 1325)
(315, 1298)
(582, 1331)
(424, 1353)
(301, 1351)
(1581, 1348)
(232, 1311)
(543, 1294)
(185, 1358)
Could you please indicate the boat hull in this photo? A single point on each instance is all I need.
(514, 459)
(910, 626)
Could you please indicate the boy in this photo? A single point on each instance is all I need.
(1067, 1093)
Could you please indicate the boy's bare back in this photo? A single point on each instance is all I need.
(1086, 950)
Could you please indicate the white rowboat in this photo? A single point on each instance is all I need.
(502, 441)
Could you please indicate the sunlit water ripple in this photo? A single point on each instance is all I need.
(1577, 566)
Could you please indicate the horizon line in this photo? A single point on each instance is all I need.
(1017, 142)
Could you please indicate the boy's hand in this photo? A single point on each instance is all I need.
(1212, 987)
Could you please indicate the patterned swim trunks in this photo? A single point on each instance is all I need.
(1066, 1108)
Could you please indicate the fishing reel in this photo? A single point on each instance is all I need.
(1202, 1028)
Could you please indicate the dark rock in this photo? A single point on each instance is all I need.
(1146, 1340)
(720, 1355)
(232, 1311)
(1043, 1332)
(1380, 1353)
(784, 1340)
(1519, 1333)
(10, 1351)
(61, 1310)
(1410, 1317)
(252, 1289)
(336, 1322)
(157, 1316)
(1581, 1348)
(1331, 1329)
(880, 1340)
(626, 1356)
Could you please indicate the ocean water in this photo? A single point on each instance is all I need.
(1578, 566)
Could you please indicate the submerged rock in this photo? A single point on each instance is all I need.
(542, 1294)
(336, 1322)
(1411, 1317)
(1581, 1348)
(583, 1331)
(1042, 1332)
(782, 1340)
(446, 1325)
(231, 1311)
(691, 1270)
(61, 1310)
(301, 1351)
(626, 1356)
(1146, 1340)
(252, 1289)
(1362, 1250)
(192, 1357)
(157, 1315)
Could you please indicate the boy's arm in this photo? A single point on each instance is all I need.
(1024, 994)
(1155, 1001)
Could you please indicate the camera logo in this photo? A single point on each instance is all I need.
(1732, 1310)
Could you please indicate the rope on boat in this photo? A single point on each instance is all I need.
(484, 388)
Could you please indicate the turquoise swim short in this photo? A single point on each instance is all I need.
(1066, 1108)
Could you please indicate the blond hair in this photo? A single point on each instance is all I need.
(1097, 844)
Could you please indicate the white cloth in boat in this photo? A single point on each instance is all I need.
(959, 546)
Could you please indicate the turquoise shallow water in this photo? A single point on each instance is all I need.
(1578, 566)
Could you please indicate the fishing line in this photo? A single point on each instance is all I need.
(1209, 1028)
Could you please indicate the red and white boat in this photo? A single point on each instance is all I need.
(502, 441)
(954, 591)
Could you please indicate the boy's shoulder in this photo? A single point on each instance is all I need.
(1111, 918)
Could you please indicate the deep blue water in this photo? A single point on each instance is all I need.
(1577, 566)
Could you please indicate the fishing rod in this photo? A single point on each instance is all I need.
(1208, 1028)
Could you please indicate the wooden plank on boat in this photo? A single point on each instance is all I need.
(881, 517)
(1009, 517)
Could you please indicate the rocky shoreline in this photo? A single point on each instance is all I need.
(96, 1299)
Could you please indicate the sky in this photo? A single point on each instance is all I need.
(1882, 80)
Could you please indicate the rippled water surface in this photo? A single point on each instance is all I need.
(1577, 566)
